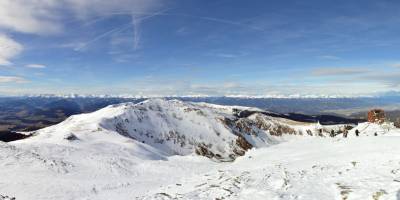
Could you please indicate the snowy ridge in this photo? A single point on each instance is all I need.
(173, 127)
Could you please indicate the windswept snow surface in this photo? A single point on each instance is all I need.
(88, 157)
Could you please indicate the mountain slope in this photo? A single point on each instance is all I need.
(173, 127)
(179, 128)
(308, 169)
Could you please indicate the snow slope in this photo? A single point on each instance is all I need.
(310, 168)
(91, 156)
(313, 168)
(370, 129)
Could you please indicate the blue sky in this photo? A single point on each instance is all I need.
(193, 47)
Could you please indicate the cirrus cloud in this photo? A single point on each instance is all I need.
(36, 16)
(47, 17)
(12, 79)
(397, 65)
(36, 66)
(339, 71)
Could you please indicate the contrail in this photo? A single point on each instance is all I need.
(115, 30)
(135, 23)
(136, 33)
(212, 19)
(136, 26)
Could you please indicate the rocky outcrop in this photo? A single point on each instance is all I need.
(243, 144)
(376, 116)
(5, 197)
(397, 123)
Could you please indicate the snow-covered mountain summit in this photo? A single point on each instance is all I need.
(173, 127)
(160, 127)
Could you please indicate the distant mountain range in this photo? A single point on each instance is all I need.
(267, 96)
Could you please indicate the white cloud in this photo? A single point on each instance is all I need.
(397, 65)
(34, 16)
(46, 16)
(37, 66)
(390, 79)
(182, 31)
(8, 49)
(225, 55)
(339, 71)
(76, 46)
(88, 8)
(12, 79)
(329, 57)
(381, 76)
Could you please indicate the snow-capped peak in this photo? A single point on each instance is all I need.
(172, 127)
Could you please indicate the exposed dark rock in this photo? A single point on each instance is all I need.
(279, 130)
(397, 123)
(243, 144)
(8, 136)
(203, 150)
(71, 137)
(275, 129)
(5, 197)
